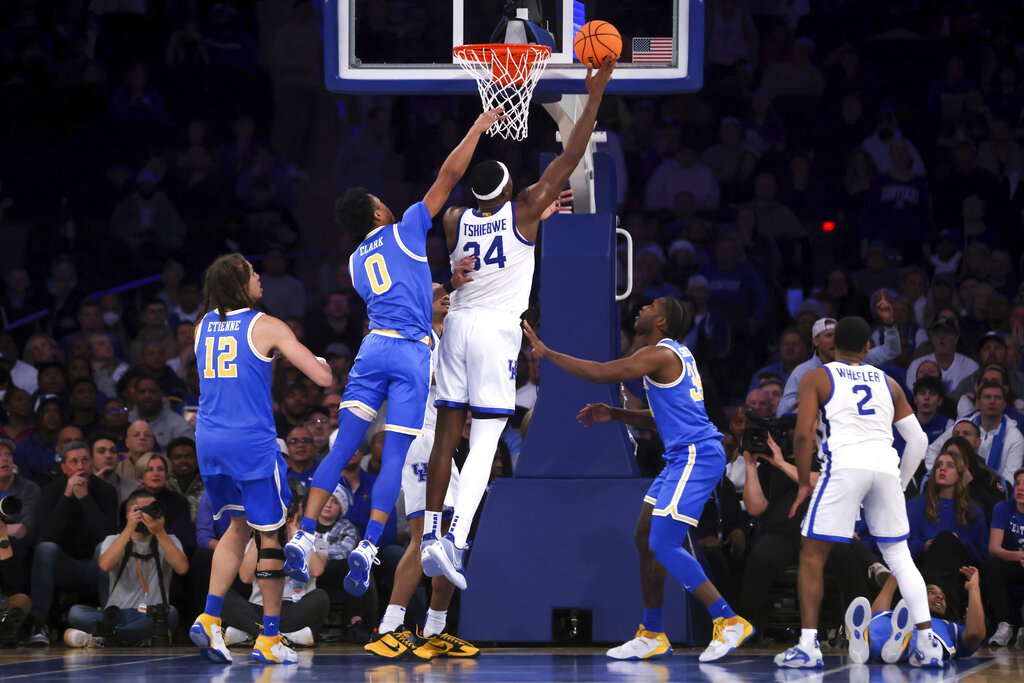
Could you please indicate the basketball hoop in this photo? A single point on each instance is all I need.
(506, 75)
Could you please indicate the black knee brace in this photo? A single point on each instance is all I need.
(269, 554)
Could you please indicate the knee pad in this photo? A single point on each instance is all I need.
(269, 554)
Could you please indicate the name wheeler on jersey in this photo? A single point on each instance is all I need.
(503, 274)
(856, 417)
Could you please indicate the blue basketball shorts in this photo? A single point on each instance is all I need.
(264, 502)
(687, 481)
(393, 369)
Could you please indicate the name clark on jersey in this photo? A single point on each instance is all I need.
(861, 375)
(485, 228)
(367, 248)
(223, 326)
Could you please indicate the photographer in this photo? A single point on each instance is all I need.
(14, 492)
(21, 525)
(768, 494)
(138, 561)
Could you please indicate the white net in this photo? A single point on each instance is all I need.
(505, 76)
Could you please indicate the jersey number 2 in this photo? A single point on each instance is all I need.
(867, 397)
(495, 253)
(377, 272)
(224, 366)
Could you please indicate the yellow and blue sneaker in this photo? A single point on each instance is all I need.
(271, 650)
(206, 633)
(645, 645)
(728, 635)
(445, 645)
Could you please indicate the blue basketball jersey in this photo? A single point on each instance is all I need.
(678, 407)
(390, 271)
(235, 423)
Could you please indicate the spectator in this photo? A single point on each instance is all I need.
(682, 172)
(138, 441)
(76, 512)
(332, 401)
(156, 552)
(318, 422)
(357, 483)
(165, 423)
(710, 335)
(898, 208)
(947, 530)
(189, 308)
(991, 371)
(107, 369)
(944, 333)
(736, 288)
(19, 423)
(964, 180)
(294, 403)
(928, 395)
(183, 477)
(40, 348)
(775, 387)
(283, 294)
(37, 455)
(113, 325)
(732, 36)
(341, 537)
(104, 462)
(301, 456)
(878, 272)
(1000, 154)
(148, 224)
(114, 420)
(984, 485)
(799, 77)
(725, 157)
(152, 472)
(879, 144)
(763, 130)
(22, 526)
(53, 379)
(337, 325)
(339, 357)
(23, 375)
(90, 322)
(82, 400)
(362, 159)
(64, 294)
(721, 532)
(155, 365)
(154, 329)
(1005, 565)
(1002, 445)
(12, 584)
(759, 403)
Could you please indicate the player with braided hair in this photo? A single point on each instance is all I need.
(694, 464)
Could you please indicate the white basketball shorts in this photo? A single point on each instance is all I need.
(837, 499)
(414, 476)
(477, 362)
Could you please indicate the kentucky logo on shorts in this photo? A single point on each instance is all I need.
(420, 470)
(513, 366)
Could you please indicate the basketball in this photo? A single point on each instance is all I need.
(595, 41)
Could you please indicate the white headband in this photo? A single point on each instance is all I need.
(497, 190)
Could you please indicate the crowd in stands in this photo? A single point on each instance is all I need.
(816, 175)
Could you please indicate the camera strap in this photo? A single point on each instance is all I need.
(152, 554)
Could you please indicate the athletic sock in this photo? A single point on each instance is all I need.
(213, 605)
(271, 625)
(432, 523)
(373, 531)
(654, 620)
(394, 616)
(923, 633)
(483, 441)
(308, 524)
(808, 638)
(435, 622)
(720, 608)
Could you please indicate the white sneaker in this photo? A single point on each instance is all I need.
(728, 635)
(858, 618)
(800, 657)
(1002, 636)
(234, 636)
(894, 648)
(74, 637)
(645, 645)
(296, 556)
(929, 653)
(879, 573)
(444, 558)
(302, 638)
(360, 560)
(269, 650)
(207, 634)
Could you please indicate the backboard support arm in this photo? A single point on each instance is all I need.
(566, 112)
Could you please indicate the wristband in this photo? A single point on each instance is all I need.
(448, 287)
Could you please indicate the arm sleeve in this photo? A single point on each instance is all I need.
(917, 442)
(890, 348)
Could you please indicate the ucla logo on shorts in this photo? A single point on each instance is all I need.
(513, 366)
(420, 470)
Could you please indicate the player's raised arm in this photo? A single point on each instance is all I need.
(272, 333)
(457, 162)
(647, 361)
(535, 199)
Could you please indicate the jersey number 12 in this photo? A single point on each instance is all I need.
(224, 367)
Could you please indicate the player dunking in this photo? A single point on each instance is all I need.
(850, 407)
(236, 442)
(389, 270)
(393, 639)
(694, 457)
(477, 360)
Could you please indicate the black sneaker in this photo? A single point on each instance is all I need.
(40, 637)
(392, 645)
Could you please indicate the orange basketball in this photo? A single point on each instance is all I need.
(595, 41)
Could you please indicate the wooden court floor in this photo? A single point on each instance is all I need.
(342, 664)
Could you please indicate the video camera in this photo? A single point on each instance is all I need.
(10, 507)
(755, 434)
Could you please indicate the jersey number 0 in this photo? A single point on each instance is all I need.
(377, 273)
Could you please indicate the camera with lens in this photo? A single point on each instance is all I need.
(161, 631)
(10, 507)
(155, 509)
(755, 434)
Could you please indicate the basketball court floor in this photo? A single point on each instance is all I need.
(349, 663)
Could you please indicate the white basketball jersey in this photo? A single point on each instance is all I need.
(504, 262)
(430, 415)
(855, 423)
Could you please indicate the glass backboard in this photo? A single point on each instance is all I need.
(405, 46)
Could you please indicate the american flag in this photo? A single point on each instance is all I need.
(652, 50)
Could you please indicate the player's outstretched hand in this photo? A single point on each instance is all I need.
(487, 119)
(802, 494)
(563, 203)
(594, 412)
(971, 574)
(539, 349)
(597, 82)
(463, 268)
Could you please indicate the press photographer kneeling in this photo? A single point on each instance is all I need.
(138, 561)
